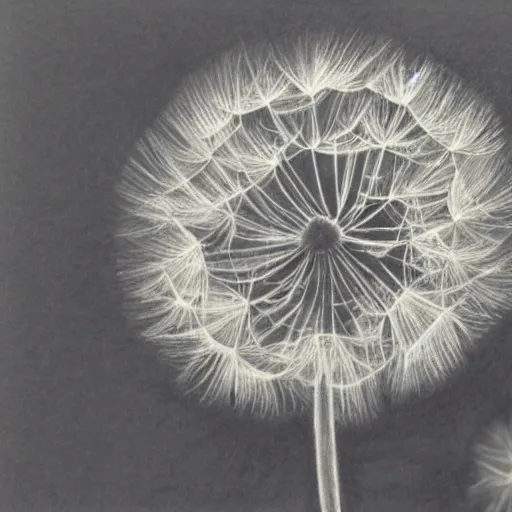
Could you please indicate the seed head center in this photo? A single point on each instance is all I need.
(321, 235)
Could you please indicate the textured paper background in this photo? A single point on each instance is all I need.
(88, 418)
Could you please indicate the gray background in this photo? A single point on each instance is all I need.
(88, 418)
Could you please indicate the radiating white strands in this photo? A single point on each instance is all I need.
(493, 458)
(317, 200)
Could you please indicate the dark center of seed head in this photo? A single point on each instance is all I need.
(321, 235)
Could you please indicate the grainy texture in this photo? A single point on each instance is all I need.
(88, 419)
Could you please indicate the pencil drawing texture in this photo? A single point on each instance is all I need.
(312, 225)
(493, 458)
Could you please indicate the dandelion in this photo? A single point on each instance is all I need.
(493, 458)
(310, 226)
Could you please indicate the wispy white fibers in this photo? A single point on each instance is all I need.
(493, 457)
(219, 193)
(320, 214)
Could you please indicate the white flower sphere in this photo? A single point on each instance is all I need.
(327, 209)
(493, 458)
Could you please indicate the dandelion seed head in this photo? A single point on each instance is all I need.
(492, 488)
(315, 209)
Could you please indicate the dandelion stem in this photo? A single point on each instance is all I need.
(329, 489)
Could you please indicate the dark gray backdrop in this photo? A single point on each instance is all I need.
(88, 419)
